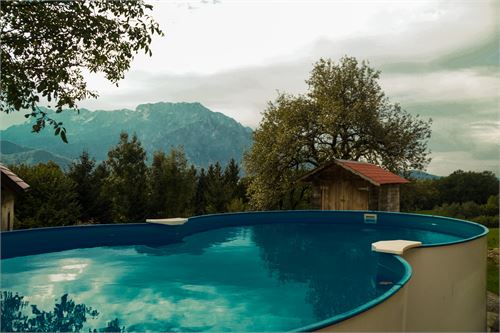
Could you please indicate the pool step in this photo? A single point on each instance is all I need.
(171, 221)
(394, 246)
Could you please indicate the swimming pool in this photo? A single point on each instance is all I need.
(264, 271)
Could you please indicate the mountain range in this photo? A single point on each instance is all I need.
(421, 175)
(11, 153)
(205, 136)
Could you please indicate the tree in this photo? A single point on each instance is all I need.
(47, 45)
(419, 195)
(80, 172)
(173, 185)
(51, 200)
(232, 180)
(461, 186)
(89, 181)
(344, 115)
(215, 194)
(67, 316)
(491, 206)
(126, 184)
(200, 202)
(103, 205)
(234, 189)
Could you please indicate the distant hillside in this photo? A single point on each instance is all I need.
(421, 175)
(207, 136)
(11, 153)
(7, 147)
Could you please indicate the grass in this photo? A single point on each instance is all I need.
(492, 272)
(492, 277)
(493, 238)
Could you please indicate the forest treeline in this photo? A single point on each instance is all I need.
(125, 188)
(463, 194)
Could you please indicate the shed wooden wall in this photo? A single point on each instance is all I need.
(338, 189)
(335, 188)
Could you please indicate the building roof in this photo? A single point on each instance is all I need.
(11, 180)
(370, 172)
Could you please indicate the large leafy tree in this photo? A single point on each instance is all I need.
(344, 115)
(47, 46)
(462, 186)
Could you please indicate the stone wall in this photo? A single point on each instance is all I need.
(388, 198)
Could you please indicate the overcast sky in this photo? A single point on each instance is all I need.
(438, 59)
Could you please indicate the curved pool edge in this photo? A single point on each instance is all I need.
(486, 230)
(473, 235)
(388, 219)
(364, 307)
(407, 306)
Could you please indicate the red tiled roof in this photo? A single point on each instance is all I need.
(372, 172)
(13, 178)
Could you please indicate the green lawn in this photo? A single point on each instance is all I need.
(492, 277)
(493, 238)
(492, 267)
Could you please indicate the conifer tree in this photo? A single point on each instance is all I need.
(126, 184)
(234, 189)
(103, 205)
(81, 172)
(200, 201)
(173, 184)
(215, 194)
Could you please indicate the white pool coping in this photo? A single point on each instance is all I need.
(394, 246)
(170, 221)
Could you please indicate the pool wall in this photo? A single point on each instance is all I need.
(388, 316)
(442, 286)
(447, 291)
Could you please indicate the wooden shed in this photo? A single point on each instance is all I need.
(351, 185)
(11, 186)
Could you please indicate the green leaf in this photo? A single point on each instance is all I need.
(63, 136)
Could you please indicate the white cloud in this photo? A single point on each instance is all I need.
(486, 132)
(233, 56)
(237, 34)
(441, 86)
(443, 163)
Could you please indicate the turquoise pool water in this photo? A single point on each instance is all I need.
(274, 277)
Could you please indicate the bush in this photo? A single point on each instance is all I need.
(491, 206)
(450, 210)
(486, 214)
(488, 221)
